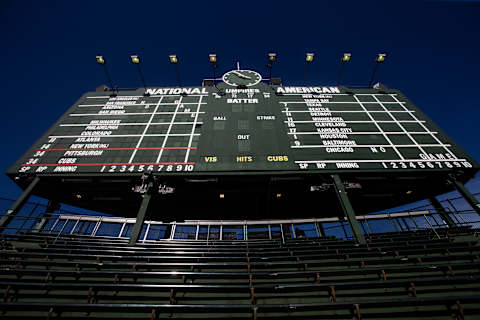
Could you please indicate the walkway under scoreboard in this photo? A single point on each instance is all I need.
(242, 130)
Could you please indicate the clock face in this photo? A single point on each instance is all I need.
(242, 78)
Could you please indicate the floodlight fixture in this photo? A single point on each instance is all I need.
(135, 59)
(212, 58)
(345, 58)
(173, 58)
(381, 57)
(309, 57)
(272, 57)
(308, 60)
(101, 61)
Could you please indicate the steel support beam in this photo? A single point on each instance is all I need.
(472, 201)
(441, 211)
(18, 204)
(51, 208)
(348, 209)
(142, 212)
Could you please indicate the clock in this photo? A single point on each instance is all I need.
(242, 78)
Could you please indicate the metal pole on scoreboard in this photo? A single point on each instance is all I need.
(213, 61)
(348, 209)
(346, 58)
(470, 198)
(272, 57)
(137, 228)
(308, 60)
(441, 211)
(136, 60)
(174, 60)
(379, 59)
(101, 61)
(17, 205)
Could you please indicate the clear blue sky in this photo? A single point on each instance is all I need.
(48, 51)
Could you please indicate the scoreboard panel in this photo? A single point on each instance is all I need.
(246, 128)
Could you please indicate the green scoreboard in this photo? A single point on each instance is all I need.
(242, 124)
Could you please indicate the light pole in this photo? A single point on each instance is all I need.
(346, 58)
(101, 61)
(212, 57)
(174, 60)
(272, 57)
(379, 59)
(308, 60)
(135, 59)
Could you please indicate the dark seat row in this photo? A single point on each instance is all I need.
(366, 273)
(406, 276)
(452, 307)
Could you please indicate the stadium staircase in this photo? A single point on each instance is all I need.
(404, 275)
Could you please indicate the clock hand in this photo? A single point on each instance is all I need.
(241, 75)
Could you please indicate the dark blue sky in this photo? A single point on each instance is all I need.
(49, 49)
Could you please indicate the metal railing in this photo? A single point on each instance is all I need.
(65, 222)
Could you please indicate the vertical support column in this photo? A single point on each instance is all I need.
(472, 201)
(137, 228)
(348, 209)
(52, 206)
(17, 205)
(441, 211)
(321, 230)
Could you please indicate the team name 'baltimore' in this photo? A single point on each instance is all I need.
(308, 90)
(177, 91)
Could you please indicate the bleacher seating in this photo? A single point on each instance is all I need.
(404, 275)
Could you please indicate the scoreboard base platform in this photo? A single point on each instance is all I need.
(240, 195)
